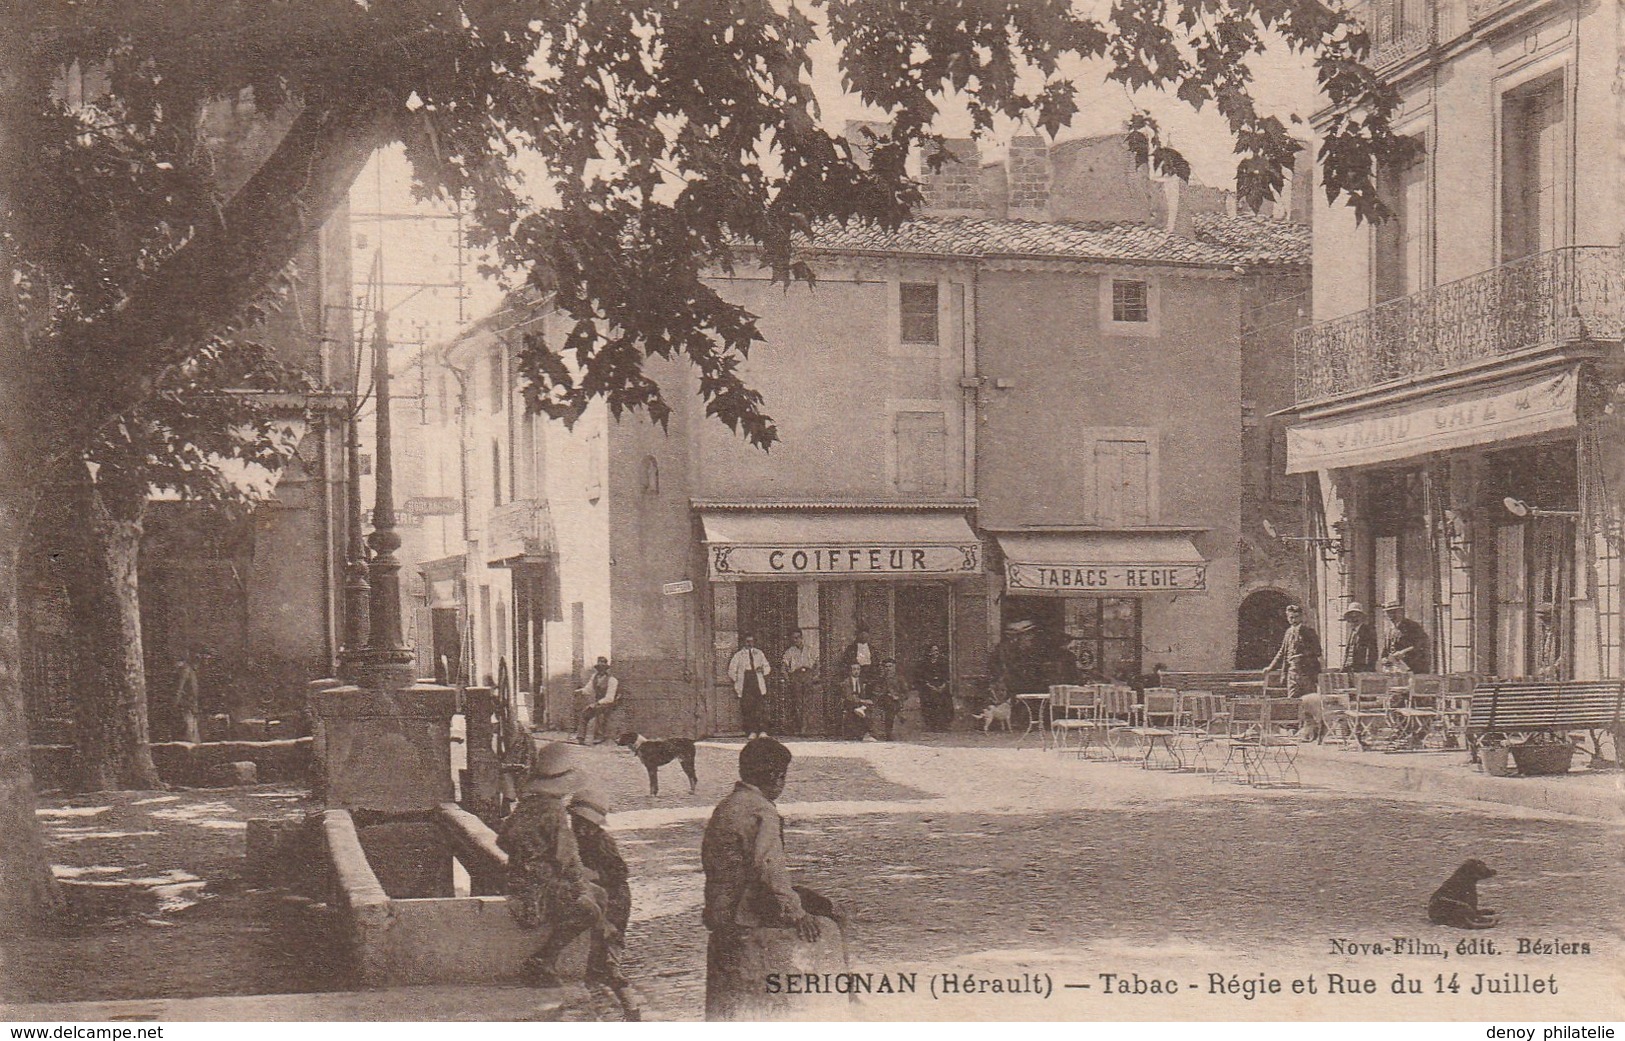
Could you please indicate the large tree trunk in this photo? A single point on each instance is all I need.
(110, 684)
(54, 394)
(27, 890)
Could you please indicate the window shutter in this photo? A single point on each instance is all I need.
(1122, 483)
(921, 444)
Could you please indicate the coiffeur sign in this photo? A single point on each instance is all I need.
(730, 562)
(1105, 578)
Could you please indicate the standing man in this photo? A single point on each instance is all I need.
(1299, 655)
(747, 882)
(748, 669)
(936, 704)
(806, 705)
(186, 699)
(861, 652)
(548, 887)
(1405, 645)
(1360, 641)
(601, 691)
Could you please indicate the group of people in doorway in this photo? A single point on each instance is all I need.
(1404, 648)
(861, 703)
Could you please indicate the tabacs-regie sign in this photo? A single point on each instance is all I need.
(731, 561)
(1105, 578)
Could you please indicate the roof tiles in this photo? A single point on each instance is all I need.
(1220, 240)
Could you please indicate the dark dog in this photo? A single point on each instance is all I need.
(1456, 902)
(655, 753)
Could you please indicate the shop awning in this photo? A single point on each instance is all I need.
(1115, 562)
(1436, 423)
(796, 544)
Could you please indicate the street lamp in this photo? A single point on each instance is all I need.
(1329, 545)
(1519, 508)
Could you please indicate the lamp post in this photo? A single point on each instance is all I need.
(385, 663)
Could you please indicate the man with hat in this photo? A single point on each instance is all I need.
(1405, 645)
(1010, 661)
(548, 886)
(1360, 641)
(589, 813)
(601, 690)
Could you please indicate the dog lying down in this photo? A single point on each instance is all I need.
(1456, 902)
(999, 713)
(654, 753)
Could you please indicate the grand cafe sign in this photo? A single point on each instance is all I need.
(1481, 415)
(927, 560)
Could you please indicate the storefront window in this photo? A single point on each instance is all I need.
(1081, 639)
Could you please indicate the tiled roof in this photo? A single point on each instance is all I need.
(1220, 240)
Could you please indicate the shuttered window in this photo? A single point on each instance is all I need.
(917, 309)
(922, 447)
(1122, 483)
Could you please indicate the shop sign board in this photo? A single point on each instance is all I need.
(1105, 578)
(731, 561)
(1482, 415)
(677, 588)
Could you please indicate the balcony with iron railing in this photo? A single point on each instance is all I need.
(1398, 28)
(1556, 298)
(519, 529)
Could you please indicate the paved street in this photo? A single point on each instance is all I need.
(1000, 861)
(960, 855)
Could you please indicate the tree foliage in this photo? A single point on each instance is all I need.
(669, 138)
(669, 134)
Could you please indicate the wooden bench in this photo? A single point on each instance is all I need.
(1225, 684)
(1527, 706)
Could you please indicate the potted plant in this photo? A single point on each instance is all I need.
(1493, 755)
(1543, 754)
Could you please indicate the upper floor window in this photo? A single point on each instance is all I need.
(922, 452)
(1131, 300)
(1400, 258)
(496, 474)
(1534, 166)
(1124, 480)
(499, 382)
(1128, 306)
(918, 311)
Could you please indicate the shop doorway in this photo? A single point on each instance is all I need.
(903, 619)
(921, 620)
(767, 611)
(1260, 624)
(446, 635)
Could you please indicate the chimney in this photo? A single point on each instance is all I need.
(1029, 177)
(863, 145)
(1179, 209)
(955, 188)
(1299, 198)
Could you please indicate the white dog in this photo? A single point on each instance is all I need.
(999, 713)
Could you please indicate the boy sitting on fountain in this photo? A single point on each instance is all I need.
(548, 887)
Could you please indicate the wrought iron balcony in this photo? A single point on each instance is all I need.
(1551, 298)
(521, 529)
(1398, 28)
